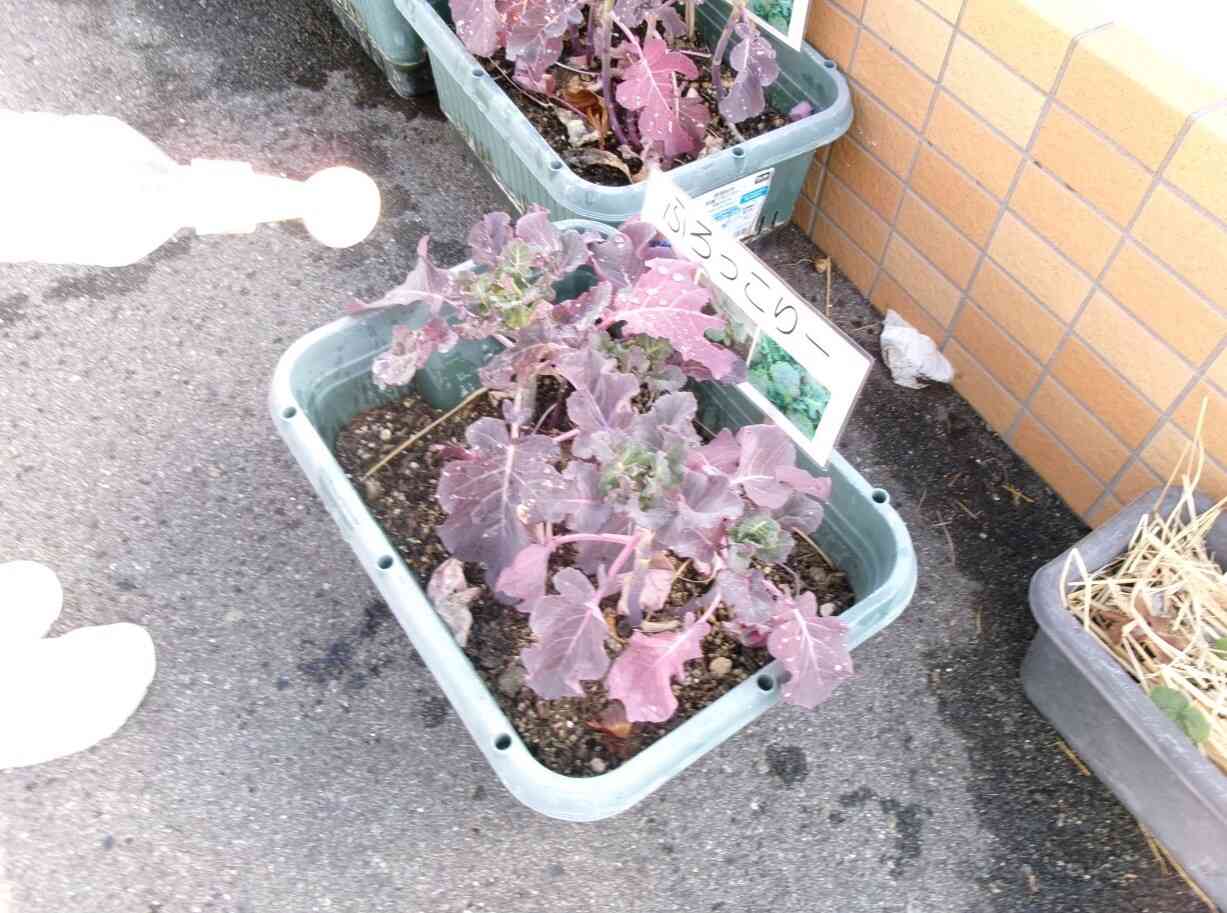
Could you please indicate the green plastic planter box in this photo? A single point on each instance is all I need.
(323, 381)
(530, 172)
(389, 41)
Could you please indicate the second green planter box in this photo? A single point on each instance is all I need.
(529, 171)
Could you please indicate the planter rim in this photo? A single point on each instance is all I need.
(1099, 548)
(761, 152)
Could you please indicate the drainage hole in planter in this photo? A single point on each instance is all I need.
(556, 165)
(880, 496)
(829, 64)
(766, 683)
(289, 412)
(385, 562)
(738, 152)
(502, 742)
(478, 72)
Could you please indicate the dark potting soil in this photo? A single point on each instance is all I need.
(559, 733)
(542, 114)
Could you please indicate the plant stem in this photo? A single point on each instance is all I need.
(566, 66)
(690, 20)
(711, 610)
(616, 567)
(605, 31)
(611, 538)
(544, 416)
(414, 438)
(717, 57)
(523, 91)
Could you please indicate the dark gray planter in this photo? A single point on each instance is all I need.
(1108, 719)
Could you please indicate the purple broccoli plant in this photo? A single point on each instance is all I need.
(642, 80)
(606, 472)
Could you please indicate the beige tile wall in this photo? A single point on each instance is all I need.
(1039, 190)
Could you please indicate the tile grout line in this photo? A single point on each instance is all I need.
(911, 167)
(1165, 418)
(1005, 208)
(856, 46)
(1164, 414)
(1199, 373)
(985, 256)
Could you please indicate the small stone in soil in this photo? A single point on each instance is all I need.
(597, 765)
(721, 666)
(385, 434)
(511, 681)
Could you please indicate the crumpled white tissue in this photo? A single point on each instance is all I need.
(911, 355)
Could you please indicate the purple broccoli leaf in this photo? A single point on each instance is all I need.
(534, 41)
(621, 258)
(647, 587)
(757, 536)
(800, 111)
(533, 64)
(805, 483)
(754, 61)
(600, 407)
(581, 313)
(668, 303)
(535, 229)
(426, 283)
(800, 512)
(641, 675)
(591, 556)
(410, 350)
(765, 449)
(534, 352)
(513, 11)
(690, 522)
(478, 23)
(631, 13)
(672, 23)
(650, 87)
(669, 423)
(524, 578)
(583, 504)
(492, 498)
(559, 252)
(752, 603)
(489, 236)
(811, 648)
(721, 454)
(451, 596)
(571, 633)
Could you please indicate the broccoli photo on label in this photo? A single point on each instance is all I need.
(776, 13)
(788, 386)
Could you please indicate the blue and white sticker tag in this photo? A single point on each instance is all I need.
(738, 207)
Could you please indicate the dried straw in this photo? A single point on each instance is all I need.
(1160, 607)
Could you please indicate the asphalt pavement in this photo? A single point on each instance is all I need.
(293, 754)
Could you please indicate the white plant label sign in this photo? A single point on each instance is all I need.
(804, 372)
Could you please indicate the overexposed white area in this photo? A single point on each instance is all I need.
(90, 189)
(1191, 33)
(61, 695)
